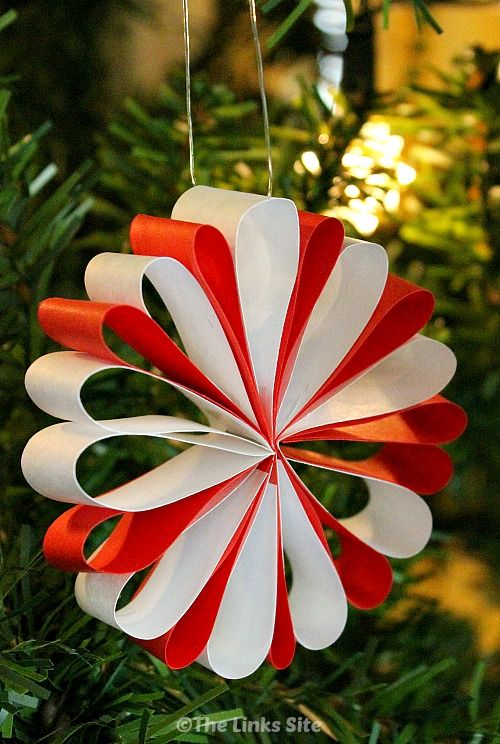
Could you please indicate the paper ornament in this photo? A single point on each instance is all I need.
(292, 334)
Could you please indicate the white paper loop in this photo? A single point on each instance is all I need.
(193, 470)
(395, 521)
(411, 374)
(179, 576)
(342, 311)
(317, 599)
(194, 317)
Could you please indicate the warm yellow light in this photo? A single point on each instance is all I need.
(352, 191)
(395, 145)
(378, 179)
(391, 200)
(323, 139)
(360, 173)
(298, 168)
(357, 204)
(387, 162)
(311, 162)
(376, 130)
(405, 174)
(355, 160)
(371, 204)
(365, 223)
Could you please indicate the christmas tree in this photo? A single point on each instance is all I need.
(406, 672)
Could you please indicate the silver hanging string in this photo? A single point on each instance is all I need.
(262, 89)
(260, 73)
(187, 61)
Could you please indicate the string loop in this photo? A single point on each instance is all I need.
(260, 74)
(187, 61)
(262, 89)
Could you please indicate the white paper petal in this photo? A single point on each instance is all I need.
(243, 630)
(264, 234)
(194, 317)
(54, 382)
(342, 311)
(179, 577)
(183, 430)
(220, 208)
(317, 600)
(50, 457)
(267, 250)
(411, 374)
(395, 521)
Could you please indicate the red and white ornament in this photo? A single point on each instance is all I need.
(292, 333)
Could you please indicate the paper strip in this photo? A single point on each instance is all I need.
(317, 600)
(408, 376)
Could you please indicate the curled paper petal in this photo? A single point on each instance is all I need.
(243, 630)
(191, 471)
(434, 421)
(290, 334)
(421, 467)
(341, 312)
(125, 550)
(396, 521)
(317, 599)
(194, 317)
(415, 372)
(264, 236)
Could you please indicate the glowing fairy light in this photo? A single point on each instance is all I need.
(405, 174)
(392, 201)
(311, 163)
(352, 191)
(356, 160)
(373, 179)
(375, 130)
(366, 223)
(378, 179)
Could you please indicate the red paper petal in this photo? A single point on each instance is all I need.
(282, 648)
(137, 541)
(434, 421)
(191, 634)
(366, 575)
(79, 324)
(422, 468)
(320, 245)
(401, 312)
(203, 250)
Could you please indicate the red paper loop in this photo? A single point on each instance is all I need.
(138, 540)
(283, 644)
(320, 246)
(402, 311)
(203, 250)
(422, 468)
(79, 324)
(366, 575)
(435, 421)
(189, 637)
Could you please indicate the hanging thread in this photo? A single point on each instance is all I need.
(260, 74)
(262, 89)
(187, 61)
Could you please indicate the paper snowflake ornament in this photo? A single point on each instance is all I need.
(292, 334)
